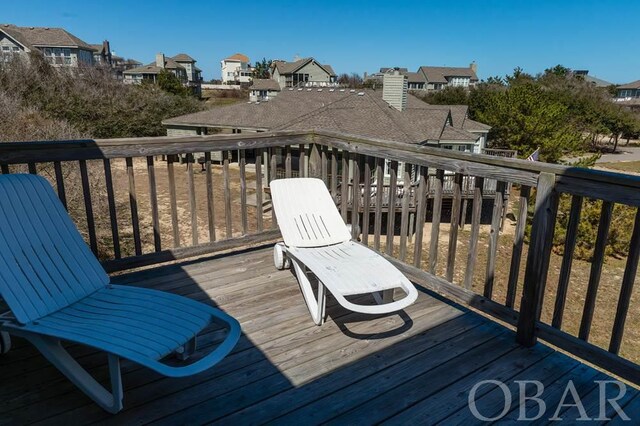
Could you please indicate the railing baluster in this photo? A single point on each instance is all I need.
(596, 270)
(493, 239)
(175, 226)
(243, 191)
(355, 195)
(153, 198)
(535, 275)
(334, 174)
(324, 166)
(4, 168)
(227, 194)
(62, 195)
(302, 161)
(88, 207)
(272, 176)
(287, 162)
(259, 190)
(32, 168)
(518, 241)
(626, 289)
(455, 224)
(391, 215)
(111, 199)
(211, 214)
(366, 201)
(344, 186)
(404, 216)
(377, 226)
(475, 232)
(133, 203)
(192, 200)
(567, 260)
(435, 221)
(421, 214)
(315, 160)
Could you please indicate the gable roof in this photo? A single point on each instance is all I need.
(32, 37)
(152, 68)
(440, 74)
(284, 67)
(264, 84)
(632, 85)
(183, 57)
(238, 57)
(362, 113)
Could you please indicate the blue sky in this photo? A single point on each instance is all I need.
(360, 36)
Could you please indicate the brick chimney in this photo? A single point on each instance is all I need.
(394, 89)
(474, 67)
(160, 60)
(106, 51)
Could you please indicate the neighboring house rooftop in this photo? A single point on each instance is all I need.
(32, 37)
(152, 68)
(291, 67)
(632, 85)
(238, 57)
(264, 84)
(362, 113)
(440, 74)
(183, 57)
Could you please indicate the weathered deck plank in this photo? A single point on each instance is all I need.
(394, 368)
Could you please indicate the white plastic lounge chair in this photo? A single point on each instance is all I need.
(57, 290)
(316, 238)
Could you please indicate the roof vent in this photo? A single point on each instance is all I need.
(300, 90)
(352, 91)
(308, 90)
(342, 90)
(291, 89)
(319, 90)
(360, 93)
(332, 90)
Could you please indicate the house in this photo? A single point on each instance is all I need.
(432, 78)
(104, 57)
(59, 47)
(629, 91)
(437, 78)
(236, 69)
(303, 72)
(181, 65)
(392, 114)
(584, 74)
(263, 89)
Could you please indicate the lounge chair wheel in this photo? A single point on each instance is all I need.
(5, 342)
(280, 258)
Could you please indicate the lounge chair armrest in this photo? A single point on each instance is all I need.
(210, 359)
(384, 308)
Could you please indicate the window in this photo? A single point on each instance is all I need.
(459, 81)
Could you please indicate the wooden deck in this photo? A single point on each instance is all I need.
(414, 367)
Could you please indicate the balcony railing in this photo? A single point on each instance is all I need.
(137, 206)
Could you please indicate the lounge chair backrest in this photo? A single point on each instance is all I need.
(45, 264)
(306, 213)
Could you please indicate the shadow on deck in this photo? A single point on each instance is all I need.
(413, 367)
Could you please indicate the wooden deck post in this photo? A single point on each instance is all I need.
(535, 275)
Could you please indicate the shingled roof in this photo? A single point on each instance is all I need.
(32, 37)
(183, 57)
(264, 84)
(362, 113)
(238, 57)
(284, 67)
(632, 85)
(440, 74)
(152, 68)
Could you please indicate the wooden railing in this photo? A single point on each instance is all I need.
(144, 201)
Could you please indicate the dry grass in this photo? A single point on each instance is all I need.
(623, 166)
